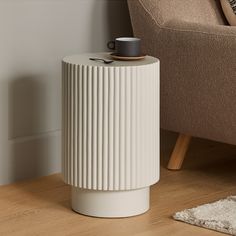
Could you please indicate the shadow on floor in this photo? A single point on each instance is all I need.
(204, 157)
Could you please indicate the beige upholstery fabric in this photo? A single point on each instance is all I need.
(201, 11)
(198, 67)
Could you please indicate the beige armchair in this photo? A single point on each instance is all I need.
(198, 67)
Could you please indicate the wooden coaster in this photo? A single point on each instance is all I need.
(122, 58)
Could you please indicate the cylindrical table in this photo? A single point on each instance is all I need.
(110, 133)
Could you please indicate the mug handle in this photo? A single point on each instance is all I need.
(111, 45)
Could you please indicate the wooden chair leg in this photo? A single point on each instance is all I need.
(178, 154)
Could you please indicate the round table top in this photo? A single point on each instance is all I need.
(83, 59)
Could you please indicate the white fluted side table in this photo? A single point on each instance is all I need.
(110, 134)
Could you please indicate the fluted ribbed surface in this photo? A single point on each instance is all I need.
(110, 126)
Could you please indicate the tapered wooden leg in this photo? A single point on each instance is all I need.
(178, 154)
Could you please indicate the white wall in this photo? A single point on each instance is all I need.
(34, 36)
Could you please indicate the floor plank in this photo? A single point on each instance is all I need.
(42, 206)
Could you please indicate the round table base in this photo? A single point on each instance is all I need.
(110, 204)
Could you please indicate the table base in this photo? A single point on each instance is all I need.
(110, 204)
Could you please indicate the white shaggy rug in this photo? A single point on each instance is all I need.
(219, 216)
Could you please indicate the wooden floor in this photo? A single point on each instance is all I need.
(42, 206)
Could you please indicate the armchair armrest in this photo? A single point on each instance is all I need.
(206, 49)
(198, 78)
(202, 40)
(208, 29)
